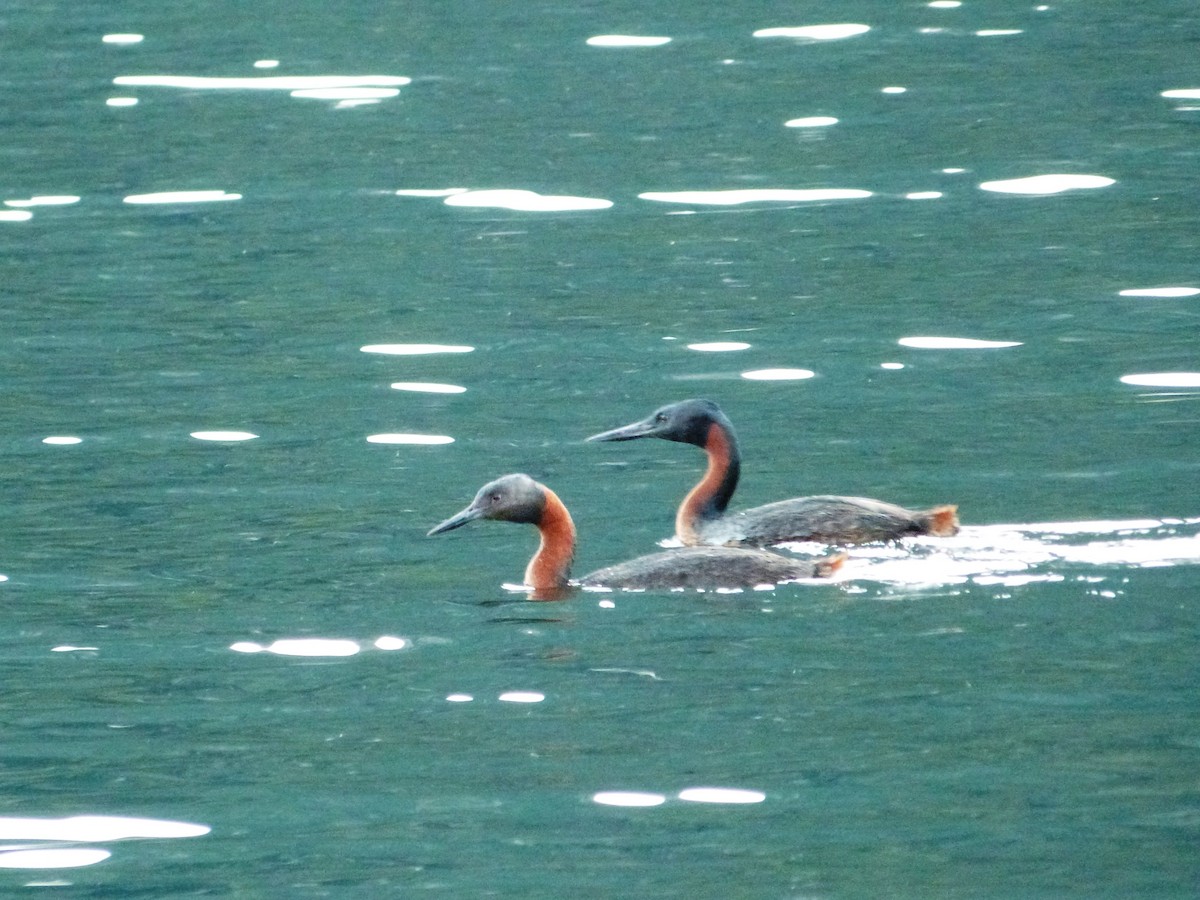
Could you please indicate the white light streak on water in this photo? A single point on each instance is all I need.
(719, 346)
(415, 349)
(300, 647)
(522, 697)
(430, 192)
(754, 195)
(779, 374)
(1163, 379)
(123, 39)
(626, 40)
(721, 795)
(263, 83)
(427, 387)
(1161, 292)
(62, 440)
(182, 197)
(628, 798)
(407, 438)
(388, 642)
(95, 829)
(815, 32)
(224, 435)
(346, 93)
(1037, 185)
(525, 201)
(952, 343)
(45, 200)
(811, 122)
(53, 858)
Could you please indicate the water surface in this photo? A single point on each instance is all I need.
(260, 339)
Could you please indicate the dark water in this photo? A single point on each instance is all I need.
(1011, 712)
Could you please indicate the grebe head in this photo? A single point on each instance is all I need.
(687, 422)
(513, 498)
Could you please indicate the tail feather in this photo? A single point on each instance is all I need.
(941, 521)
(823, 568)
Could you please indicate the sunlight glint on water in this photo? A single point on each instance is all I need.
(946, 254)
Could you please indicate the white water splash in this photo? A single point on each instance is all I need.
(1012, 555)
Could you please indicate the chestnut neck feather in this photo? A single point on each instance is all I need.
(550, 567)
(709, 499)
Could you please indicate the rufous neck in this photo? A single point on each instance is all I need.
(709, 499)
(550, 568)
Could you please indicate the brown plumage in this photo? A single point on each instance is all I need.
(702, 516)
(518, 498)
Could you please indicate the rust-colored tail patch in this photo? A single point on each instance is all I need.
(823, 568)
(941, 521)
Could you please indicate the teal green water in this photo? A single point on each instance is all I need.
(1008, 713)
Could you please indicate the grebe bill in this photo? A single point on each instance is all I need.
(702, 519)
(518, 498)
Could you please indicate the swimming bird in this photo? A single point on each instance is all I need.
(702, 518)
(518, 498)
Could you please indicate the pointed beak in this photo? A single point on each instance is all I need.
(644, 428)
(470, 514)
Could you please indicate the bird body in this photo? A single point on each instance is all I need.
(518, 498)
(702, 517)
